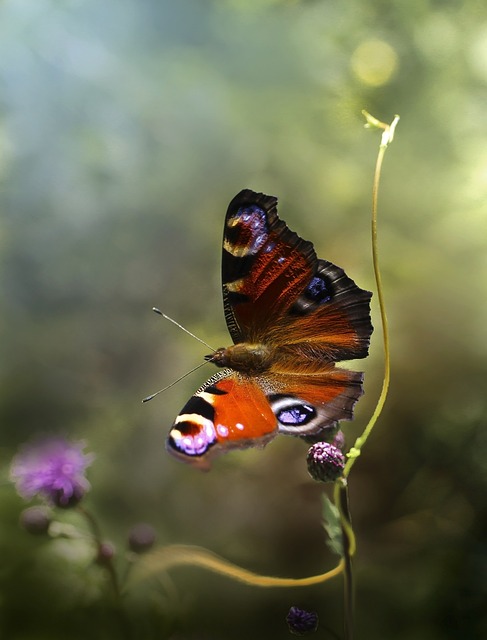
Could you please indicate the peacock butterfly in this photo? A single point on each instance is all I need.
(291, 317)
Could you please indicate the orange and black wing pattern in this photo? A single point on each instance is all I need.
(291, 317)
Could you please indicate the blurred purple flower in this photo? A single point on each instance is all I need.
(35, 520)
(339, 440)
(301, 622)
(141, 538)
(53, 469)
(106, 553)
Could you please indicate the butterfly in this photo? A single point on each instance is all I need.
(291, 317)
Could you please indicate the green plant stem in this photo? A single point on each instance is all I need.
(341, 486)
(97, 538)
(348, 551)
(387, 137)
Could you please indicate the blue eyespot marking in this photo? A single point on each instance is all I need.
(296, 414)
(252, 227)
(193, 436)
(317, 290)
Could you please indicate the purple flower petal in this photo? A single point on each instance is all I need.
(53, 469)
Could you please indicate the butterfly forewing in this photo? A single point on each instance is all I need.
(229, 411)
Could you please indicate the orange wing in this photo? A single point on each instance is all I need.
(229, 411)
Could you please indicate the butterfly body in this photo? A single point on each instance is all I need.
(291, 317)
(249, 358)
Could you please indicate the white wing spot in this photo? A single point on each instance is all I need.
(222, 430)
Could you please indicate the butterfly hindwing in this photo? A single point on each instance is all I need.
(329, 321)
(233, 411)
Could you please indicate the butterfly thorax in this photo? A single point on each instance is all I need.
(245, 357)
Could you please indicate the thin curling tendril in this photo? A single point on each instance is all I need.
(386, 139)
(166, 558)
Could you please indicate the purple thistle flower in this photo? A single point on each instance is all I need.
(301, 622)
(53, 469)
(325, 462)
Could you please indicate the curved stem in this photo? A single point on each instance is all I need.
(387, 137)
(97, 538)
(348, 537)
(341, 486)
(180, 555)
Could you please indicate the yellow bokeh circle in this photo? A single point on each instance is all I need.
(374, 62)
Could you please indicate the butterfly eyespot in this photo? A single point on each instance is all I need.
(318, 290)
(297, 414)
(291, 412)
(246, 231)
(193, 435)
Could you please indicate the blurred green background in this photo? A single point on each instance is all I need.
(125, 129)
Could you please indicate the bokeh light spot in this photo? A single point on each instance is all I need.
(374, 62)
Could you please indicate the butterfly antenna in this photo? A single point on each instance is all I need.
(153, 395)
(158, 311)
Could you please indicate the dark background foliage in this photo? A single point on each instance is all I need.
(125, 129)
